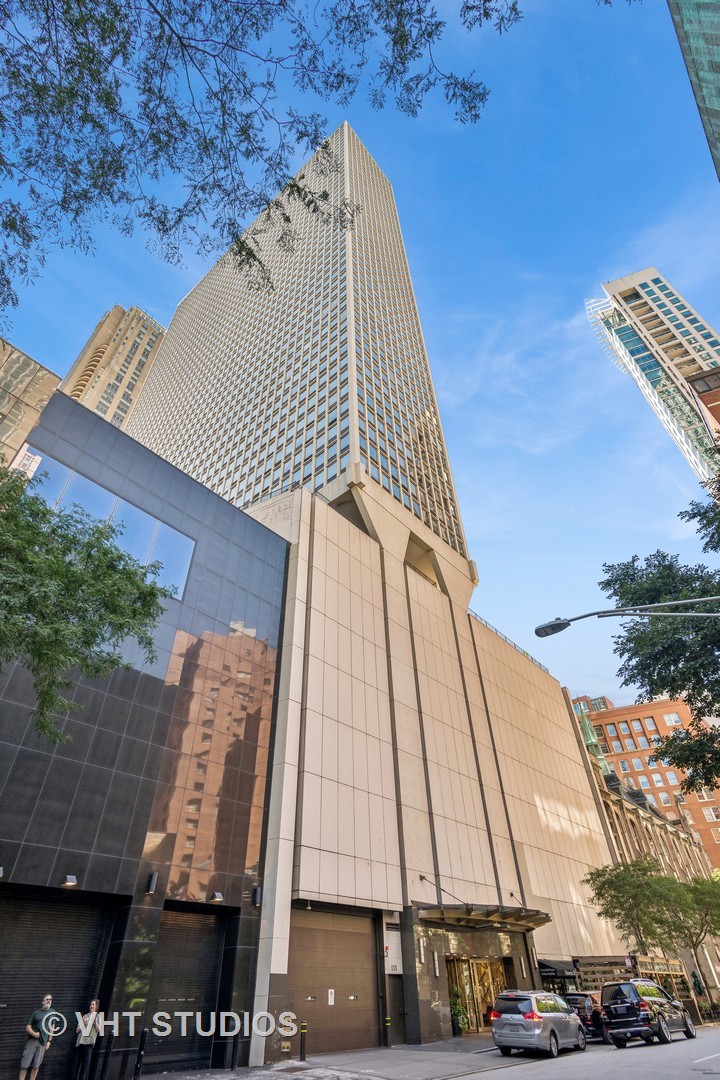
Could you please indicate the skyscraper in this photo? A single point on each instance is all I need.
(255, 391)
(426, 773)
(114, 363)
(697, 25)
(653, 334)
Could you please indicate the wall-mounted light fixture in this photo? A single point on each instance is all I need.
(257, 896)
(69, 881)
(421, 950)
(217, 898)
(436, 964)
(151, 883)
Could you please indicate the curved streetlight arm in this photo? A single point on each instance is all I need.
(556, 625)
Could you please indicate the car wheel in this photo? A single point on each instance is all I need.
(505, 1051)
(604, 1036)
(663, 1031)
(689, 1029)
(617, 1042)
(553, 1046)
(581, 1040)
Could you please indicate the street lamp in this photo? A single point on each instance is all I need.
(556, 625)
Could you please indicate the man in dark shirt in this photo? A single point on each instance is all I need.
(39, 1037)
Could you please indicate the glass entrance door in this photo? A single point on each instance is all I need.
(488, 981)
(474, 985)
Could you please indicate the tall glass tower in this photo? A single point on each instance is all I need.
(653, 334)
(325, 374)
(697, 24)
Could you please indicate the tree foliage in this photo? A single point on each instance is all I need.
(676, 657)
(635, 896)
(102, 102)
(69, 596)
(651, 909)
(694, 916)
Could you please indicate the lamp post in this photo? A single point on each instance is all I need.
(556, 625)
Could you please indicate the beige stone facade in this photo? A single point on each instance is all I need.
(426, 770)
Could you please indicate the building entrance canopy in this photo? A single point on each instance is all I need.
(485, 917)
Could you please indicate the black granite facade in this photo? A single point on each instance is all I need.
(156, 806)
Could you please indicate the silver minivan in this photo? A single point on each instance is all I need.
(535, 1020)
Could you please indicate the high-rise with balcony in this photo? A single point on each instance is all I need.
(651, 332)
(112, 366)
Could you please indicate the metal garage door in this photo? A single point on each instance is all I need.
(48, 946)
(185, 977)
(332, 979)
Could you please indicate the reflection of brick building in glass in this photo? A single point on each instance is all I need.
(207, 817)
(25, 388)
(152, 811)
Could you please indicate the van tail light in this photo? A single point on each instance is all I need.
(532, 1016)
(644, 1012)
(495, 1015)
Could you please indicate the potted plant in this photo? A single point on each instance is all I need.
(458, 1013)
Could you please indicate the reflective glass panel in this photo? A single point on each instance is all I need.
(138, 529)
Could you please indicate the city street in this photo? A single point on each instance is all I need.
(472, 1057)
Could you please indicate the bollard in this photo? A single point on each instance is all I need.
(106, 1059)
(303, 1033)
(387, 1031)
(141, 1053)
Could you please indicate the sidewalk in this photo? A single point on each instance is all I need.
(464, 1056)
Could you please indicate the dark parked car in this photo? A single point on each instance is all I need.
(588, 1008)
(639, 1009)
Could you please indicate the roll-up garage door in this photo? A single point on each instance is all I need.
(48, 946)
(185, 978)
(332, 978)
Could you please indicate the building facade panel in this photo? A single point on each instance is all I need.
(158, 802)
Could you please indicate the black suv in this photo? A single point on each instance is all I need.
(587, 1006)
(638, 1009)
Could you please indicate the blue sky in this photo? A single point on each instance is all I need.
(590, 162)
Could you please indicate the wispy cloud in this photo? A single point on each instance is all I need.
(684, 244)
(531, 381)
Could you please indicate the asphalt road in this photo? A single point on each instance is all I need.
(467, 1059)
(682, 1059)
